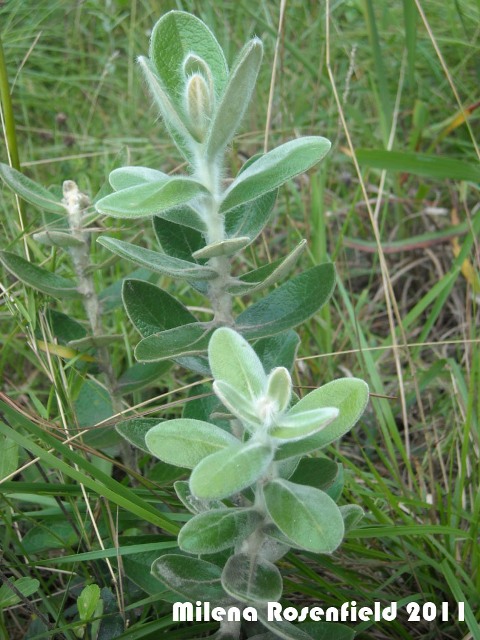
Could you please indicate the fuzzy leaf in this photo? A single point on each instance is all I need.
(60, 239)
(282, 630)
(126, 177)
(217, 530)
(290, 304)
(267, 275)
(187, 340)
(352, 514)
(141, 375)
(176, 239)
(222, 248)
(252, 580)
(348, 395)
(233, 360)
(39, 278)
(193, 504)
(279, 387)
(249, 219)
(185, 442)
(158, 262)
(274, 169)
(150, 198)
(152, 309)
(134, 431)
(306, 516)
(235, 99)
(192, 578)
(236, 403)
(319, 473)
(327, 630)
(175, 36)
(31, 191)
(278, 351)
(94, 342)
(302, 424)
(229, 471)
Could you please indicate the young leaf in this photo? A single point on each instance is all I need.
(231, 470)
(87, 601)
(159, 262)
(352, 514)
(222, 248)
(217, 530)
(241, 407)
(184, 442)
(249, 219)
(177, 35)
(299, 426)
(141, 375)
(126, 177)
(177, 240)
(235, 99)
(279, 350)
(134, 431)
(191, 578)
(268, 274)
(306, 516)
(279, 387)
(187, 340)
(31, 191)
(252, 579)
(39, 278)
(152, 309)
(274, 168)
(290, 304)
(348, 395)
(150, 198)
(232, 360)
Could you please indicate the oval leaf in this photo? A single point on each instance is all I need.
(301, 425)
(306, 516)
(274, 168)
(193, 504)
(192, 578)
(134, 431)
(249, 219)
(187, 340)
(217, 530)
(252, 579)
(126, 177)
(185, 442)
(221, 248)
(39, 278)
(176, 239)
(290, 304)
(141, 375)
(231, 470)
(31, 191)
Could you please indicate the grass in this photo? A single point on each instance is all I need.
(380, 82)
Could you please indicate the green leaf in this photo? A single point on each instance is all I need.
(348, 395)
(174, 37)
(56, 535)
(278, 351)
(94, 342)
(222, 248)
(158, 262)
(239, 405)
(233, 360)
(176, 239)
(185, 442)
(111, 296)
(421, 164)
(319, 473)
(252, 579)
(327, 630)
(134, 431)
(283, 629)
(305, 515)
(150, 198)
(217, 530)
(60, 239)
(39, 278)
(152, 309)
(64, 328)
(274, 168)
(192, 578)
(235, 99)
(93, 405)
(26, 586)
(87, 602)
(31, 191)
(165, 474)
(231, 470)
(187, 340)
(126, 177)
(249, 219)
(193, 504)
(352, 514)
(302, 424)
(290, 304)
(267, 275)
(279, 388)
(8, 456)
(141, 375)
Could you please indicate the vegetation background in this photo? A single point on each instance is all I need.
(395, 205)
